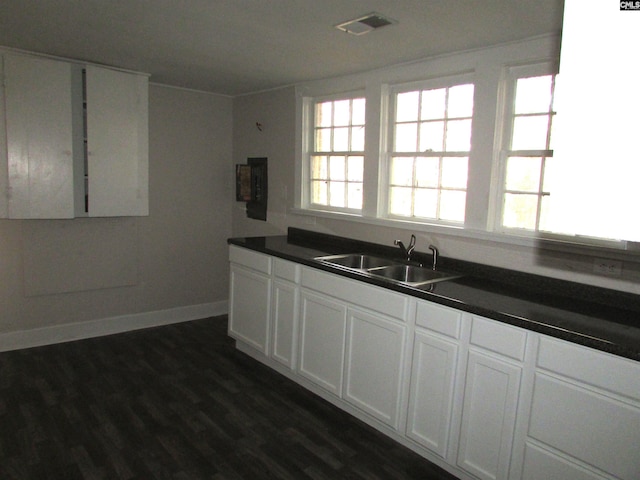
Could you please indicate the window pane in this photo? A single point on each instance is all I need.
(336, 194)
(460, 101)
(354, 196)
(549, 172)
(357, 114)
(355, 169)
(433, 104)
(533, 95)
(400, 201)
(341, 112)
(407, 106)
(427, 171)
(458, 136)
(319, 167)
(520, 211)
(530, 133)
(523, 173)
(454, 172)
(432, 137)
(406, 137)
(323, 140)
(337, 168)
(323, 114)
(544, 222)
(340, 139)
(357, 139)
(401, 171)
(319, 192)
(452, 205)
(426, 204)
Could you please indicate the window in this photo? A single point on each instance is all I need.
(527, 166)
(336, 162)
(469, 144)
(428, 161)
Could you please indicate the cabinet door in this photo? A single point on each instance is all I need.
(431, 394)
(375, 349)
(542, 464)
(584, 425)
(249, 297)
(283, 321)
(488, 416)
(322, 341)
(117, 142)
(38, 121)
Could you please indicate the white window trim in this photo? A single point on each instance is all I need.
(504, 131)
(307, 144)
(488, 66)
(391, 92)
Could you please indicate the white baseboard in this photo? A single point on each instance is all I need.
(108, 326)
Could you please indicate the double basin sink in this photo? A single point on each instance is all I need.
(388, 269)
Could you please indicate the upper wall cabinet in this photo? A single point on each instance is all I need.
(76, 140)
(117, 142)
(37, 158)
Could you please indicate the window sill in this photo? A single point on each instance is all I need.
(629, 251)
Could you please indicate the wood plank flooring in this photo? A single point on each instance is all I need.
(178, 402)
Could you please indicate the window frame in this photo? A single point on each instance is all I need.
(392, 92)
(504, 125)
(309, 104)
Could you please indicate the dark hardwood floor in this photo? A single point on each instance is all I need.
(178, 402)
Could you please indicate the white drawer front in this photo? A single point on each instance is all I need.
(499, 337)
(250, 259)
(357, 293)
(615, 374)
(286, 270)
(439, 319)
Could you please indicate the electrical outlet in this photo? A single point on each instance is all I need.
(605, 266)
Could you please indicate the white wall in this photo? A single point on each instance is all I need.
(59, 272)
(277, 111)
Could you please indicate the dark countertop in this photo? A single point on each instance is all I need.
(603, 319)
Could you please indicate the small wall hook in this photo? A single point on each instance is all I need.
(259, 126)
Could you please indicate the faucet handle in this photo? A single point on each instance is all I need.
(412, 243)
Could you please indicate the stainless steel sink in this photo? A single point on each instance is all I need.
(358, 261)
(391, 270)
(412, 274)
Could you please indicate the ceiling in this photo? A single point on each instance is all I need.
(234, 47)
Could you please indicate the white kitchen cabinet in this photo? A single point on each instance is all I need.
(249, 298)
(117, 142)
(481, 398)
(585, 415)
(37, 166)
(435, 359)
(72, 137)
(352, 341)
(323, 322)
(491, 396)
(373, 365)
(284, 311)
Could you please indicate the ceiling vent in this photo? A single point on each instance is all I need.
(365, 24)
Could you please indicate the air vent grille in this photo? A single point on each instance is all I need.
(365, 24)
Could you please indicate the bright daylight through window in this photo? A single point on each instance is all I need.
(337, 160)
(429, 161)
(527, 163)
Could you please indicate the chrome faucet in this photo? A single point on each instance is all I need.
(407, 251)
(434, 250)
